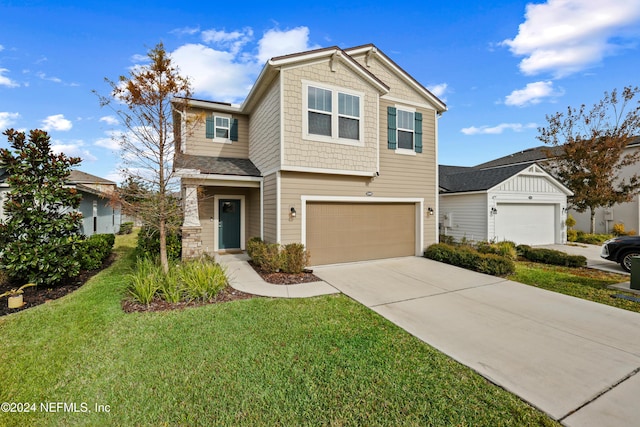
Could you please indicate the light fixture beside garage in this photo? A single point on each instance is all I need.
(292, 213)
(430, 211)
(493, 211)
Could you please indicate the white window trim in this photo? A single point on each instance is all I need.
(334, 139)
(221, 140)
(405, 151)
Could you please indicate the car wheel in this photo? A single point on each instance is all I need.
(625, 262)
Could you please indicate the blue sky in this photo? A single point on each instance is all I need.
(500, 66)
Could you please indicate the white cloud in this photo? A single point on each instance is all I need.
(1, 48)
(234, 41)
(73, 149)
(439, 90)
(532, 94)
(567, 36)
(7, 119)
(110, 120)
(6, 81)
(43, 76)
(111, 141)
(185, 31)
(496, 130)
(276, 43)
(56, 122)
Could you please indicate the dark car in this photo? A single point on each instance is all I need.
(621, 249)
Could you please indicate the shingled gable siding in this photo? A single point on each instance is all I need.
(264, 131)
(199, 145)
(302, 152)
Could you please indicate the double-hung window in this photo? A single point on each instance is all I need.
(221, 128)
(333, 115)
(405, 129)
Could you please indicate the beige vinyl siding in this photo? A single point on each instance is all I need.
(206, 207)
(469, 215)
(295, 185)
(270, 202)
(300, 151)
(199, 145)
(264, 130)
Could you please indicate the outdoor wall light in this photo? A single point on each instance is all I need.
(293, 212)
(430, 211)
(494, 211)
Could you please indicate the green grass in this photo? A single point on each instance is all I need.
(583, 283)
(262, 361)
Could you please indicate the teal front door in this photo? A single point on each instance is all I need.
(229, 224)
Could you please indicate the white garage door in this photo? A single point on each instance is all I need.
(344, 232)
(528, 224)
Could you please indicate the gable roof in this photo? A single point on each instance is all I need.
(455, 179)
(75, 177)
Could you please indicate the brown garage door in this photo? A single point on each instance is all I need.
(344, 232)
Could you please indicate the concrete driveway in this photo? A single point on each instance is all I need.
(573, 359)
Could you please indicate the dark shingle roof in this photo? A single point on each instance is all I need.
(217, 165)
(75, 177)
(455, 179)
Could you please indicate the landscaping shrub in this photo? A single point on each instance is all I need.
(294, 258)
(149, 243)
(592, 239)
(93, 251)
(126, 228)
(449, 240)
(618, 230)
(199, 279)
(572, 235)
(271, 257)
(551, 256)
(505, 248)
(471, 259)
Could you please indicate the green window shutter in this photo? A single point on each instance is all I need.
(211, 127)
(233, 133)
(391, 128)
(418, 132)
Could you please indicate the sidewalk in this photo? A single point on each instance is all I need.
(244, 278)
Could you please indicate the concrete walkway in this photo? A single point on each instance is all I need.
(576, 360)
(244, 278)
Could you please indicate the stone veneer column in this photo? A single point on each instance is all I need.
(191, 229)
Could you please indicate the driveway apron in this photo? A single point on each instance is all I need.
(573, 359)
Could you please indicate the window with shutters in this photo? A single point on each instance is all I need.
(404, 130)
(221, 128)
(332, 114)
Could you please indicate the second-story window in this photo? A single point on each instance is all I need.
(221, 128)
(405, 129)
(333, 115)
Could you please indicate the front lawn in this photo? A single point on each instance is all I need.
(261, 361)
(585, 283)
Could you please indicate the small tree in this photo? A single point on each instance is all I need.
(39, 236)
(592, 150)
(148, 146)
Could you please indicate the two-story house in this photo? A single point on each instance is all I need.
(333, 148)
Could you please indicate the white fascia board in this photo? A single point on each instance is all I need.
(196, 103)
(362, 199)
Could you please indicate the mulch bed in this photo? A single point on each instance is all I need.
(284, 278)
(36, 295)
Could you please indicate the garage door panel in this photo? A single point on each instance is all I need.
(344, 232)
(531, 224)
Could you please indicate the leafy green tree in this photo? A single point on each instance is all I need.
(589, 150)
(39, 238)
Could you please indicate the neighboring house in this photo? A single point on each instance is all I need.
(522, 203)
(333, 148)
(99, 216)
(621, 213)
